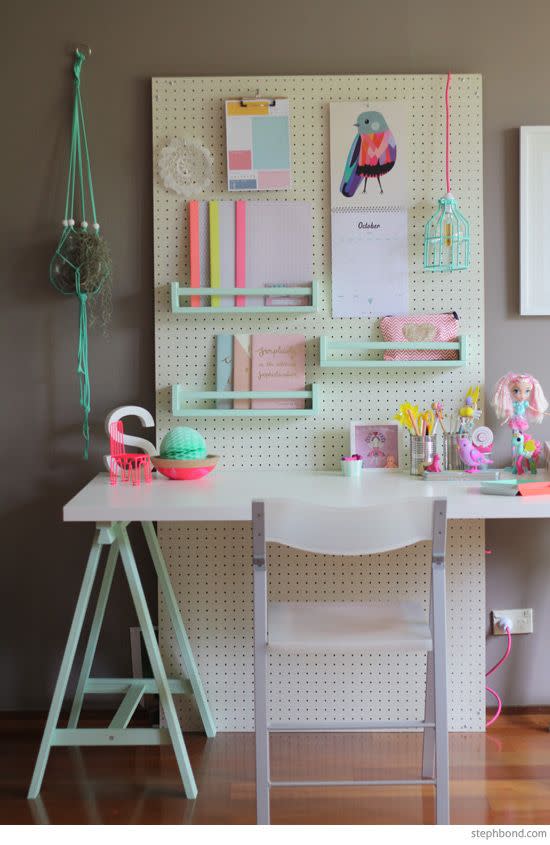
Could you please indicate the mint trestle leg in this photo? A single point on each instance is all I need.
(39, 812)
(179, 628)
(155, 659)
(129, 705)
(66, 664)
(95, 629)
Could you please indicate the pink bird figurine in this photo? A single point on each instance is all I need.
(435, 465)
(470, 454)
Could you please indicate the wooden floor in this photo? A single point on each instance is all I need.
(500, 777)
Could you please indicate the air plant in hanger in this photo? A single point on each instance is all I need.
(447, 232)
(81, 264)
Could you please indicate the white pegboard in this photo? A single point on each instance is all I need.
(211, 565)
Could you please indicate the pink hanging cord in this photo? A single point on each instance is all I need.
(448, 134)
(490, 672)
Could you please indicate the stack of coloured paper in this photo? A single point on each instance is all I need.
(250, 245)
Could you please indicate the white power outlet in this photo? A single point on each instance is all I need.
(522, 621)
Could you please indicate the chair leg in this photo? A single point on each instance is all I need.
(66, 665)
(428, 743)
(440, 672)
(260, 695)
(95, 629)
(177, 623)
(157, 665)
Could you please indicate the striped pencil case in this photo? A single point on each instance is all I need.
(431, 328)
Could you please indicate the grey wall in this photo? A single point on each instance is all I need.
(132, 41)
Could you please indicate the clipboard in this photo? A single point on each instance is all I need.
(258, 143)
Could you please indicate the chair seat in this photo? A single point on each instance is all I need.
(348, 626)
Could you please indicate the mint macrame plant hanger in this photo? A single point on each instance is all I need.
(81, 264)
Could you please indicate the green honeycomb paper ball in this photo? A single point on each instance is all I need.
(183, 444)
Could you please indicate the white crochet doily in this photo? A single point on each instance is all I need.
(185, 166)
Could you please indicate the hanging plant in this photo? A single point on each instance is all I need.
(81, 264)
(447, 232)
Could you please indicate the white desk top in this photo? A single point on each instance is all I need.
(226, 495)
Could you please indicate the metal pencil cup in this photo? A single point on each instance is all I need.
(423, 449)
(450, 457)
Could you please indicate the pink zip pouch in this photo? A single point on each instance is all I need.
(431, 328)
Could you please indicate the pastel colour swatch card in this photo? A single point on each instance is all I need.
(278, 363)
(258, 145)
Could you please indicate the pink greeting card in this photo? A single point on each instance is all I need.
(278, 363)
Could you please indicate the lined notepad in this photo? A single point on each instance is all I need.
(278, 244)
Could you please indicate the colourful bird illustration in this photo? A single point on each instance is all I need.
(372, 154)
(470, 454)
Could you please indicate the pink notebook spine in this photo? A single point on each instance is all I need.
(241, 368)
(240, 250)
(194, 252)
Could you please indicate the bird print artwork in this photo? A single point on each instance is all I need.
(470, 454)
(373, 153)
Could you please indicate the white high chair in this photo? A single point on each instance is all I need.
(352, 626)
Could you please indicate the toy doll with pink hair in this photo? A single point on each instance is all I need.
(519, 400)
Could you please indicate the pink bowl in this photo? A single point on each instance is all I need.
(185, 470)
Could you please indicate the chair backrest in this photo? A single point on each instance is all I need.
(352, 531)
(116, 436)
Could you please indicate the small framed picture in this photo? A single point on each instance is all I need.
(377, 443)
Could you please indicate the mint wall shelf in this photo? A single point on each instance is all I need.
(329, 347)
(183, 402)
(179, 293)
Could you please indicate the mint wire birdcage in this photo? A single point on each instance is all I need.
(447, 232)
(447, 238)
